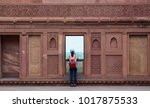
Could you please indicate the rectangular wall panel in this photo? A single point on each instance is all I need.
(114, 64)
(52, 64)
(138, 48)
(0, 57)
(95, 64)
(34, 55)
(95, 53)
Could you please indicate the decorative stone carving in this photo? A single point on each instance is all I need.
(74, 10)
(95, 64)
(95, 44)
(113, 64)
(52, 41)
(20, 1)
(96, 41)
(113, 43)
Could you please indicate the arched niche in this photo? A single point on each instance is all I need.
(113, 43)
(52, 43)
(95, 44)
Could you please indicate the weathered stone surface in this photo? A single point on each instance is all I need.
(20, 1)
(95, 1)
(75, 10)
(75, 1)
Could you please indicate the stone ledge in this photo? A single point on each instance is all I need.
(44, 20)
(101, 2)
(20, 1)
(80, 82)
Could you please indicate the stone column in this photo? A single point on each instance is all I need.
(44, 57)
(125, 55)
(23, 54)
(148, 53)
(60, 53)
(87, 52)
(103, 47)
(0, 59)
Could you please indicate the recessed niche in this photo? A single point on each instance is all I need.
(95, 44)
(113, 43)
(52, 43)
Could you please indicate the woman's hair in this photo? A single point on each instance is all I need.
(72, 50)
(72, 53)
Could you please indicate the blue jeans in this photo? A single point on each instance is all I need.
(73, 76)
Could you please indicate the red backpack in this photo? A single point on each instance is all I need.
(72, 62)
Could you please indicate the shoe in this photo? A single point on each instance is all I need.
(74, 85)
(71, 85)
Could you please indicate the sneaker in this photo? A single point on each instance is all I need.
(74, 85)
(71, 85)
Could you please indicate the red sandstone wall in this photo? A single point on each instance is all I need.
(78, 1)
(96, 1)
(74, 11)
(20, 1)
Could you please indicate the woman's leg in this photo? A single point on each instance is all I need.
(75, 76)
(71, 76)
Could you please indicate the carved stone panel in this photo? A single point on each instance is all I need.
(52, 41)
(34, 55)
(53, 64)
(113, 64)
(113, 41)
(20, 1)
(94, 1)
(95, 64)
(28, 10)
(138, 49)
(95, 41)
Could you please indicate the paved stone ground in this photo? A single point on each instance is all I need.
(78, 88)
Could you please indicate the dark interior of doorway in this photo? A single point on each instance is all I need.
(10, 64)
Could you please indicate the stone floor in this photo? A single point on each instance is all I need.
(78, 88)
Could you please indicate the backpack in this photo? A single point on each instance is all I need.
(72, 62)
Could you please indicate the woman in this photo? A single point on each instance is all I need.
(72, 67)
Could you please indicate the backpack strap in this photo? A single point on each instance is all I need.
(73, 58)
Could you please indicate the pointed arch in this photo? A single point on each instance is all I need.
(113, 43)
(95, 44)
(52, 43)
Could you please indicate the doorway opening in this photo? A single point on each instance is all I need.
(10, 62)
(76, 43)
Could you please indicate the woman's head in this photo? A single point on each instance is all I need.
(72, 51)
